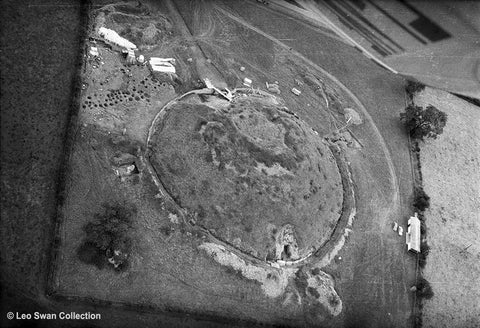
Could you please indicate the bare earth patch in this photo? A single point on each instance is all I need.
(275, 281)
(451, 177)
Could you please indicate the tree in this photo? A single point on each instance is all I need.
(413, 88)
(422, 200)
(423, 289)
(421, 123)
(108, 237)
(422, 258)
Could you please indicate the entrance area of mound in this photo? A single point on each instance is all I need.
(254, 175)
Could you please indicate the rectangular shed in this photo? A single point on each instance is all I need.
(413, 234)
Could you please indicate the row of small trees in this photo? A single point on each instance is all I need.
(421, 123)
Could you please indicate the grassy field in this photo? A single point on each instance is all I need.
(168, 264)
(374, 274)
(39, 63)
(40, 43)
(451, 175)
(167, 272)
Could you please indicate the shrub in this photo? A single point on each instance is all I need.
(422, 260)
(166, 230)
(422, 257)
(90, 254)
(421, 123)
(301, 282)
(421, 216)
(415, 320)
(421, 201)
(108, 238)
(423, 227)
(413, 87)
(333, 300)
(424, 290)
(239, 274)
(425, 249)
(315, 271)
(312, 291)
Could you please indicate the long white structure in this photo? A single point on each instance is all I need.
(413, 234)
(111, 37)
(163, 65)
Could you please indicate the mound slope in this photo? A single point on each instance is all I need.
(257, 176)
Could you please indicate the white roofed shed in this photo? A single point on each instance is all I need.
(163, 65)
(413, 234)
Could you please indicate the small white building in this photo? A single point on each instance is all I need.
(94, 52)
(112, 38)
(163, 65)
(296, 92)
(141, 59)
(247, 82)
(413, 234)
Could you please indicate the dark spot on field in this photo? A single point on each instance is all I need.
(301, 282)
(312, 291)
(315, 271)
(177, 165)
(201, 212)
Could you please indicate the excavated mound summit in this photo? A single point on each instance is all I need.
(257, 177)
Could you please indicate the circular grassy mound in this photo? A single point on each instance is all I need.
(258, 177)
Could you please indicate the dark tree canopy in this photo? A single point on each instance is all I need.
(414, 87)
(421, 123)
(424, 290)
(108, 237)
(422, 200)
